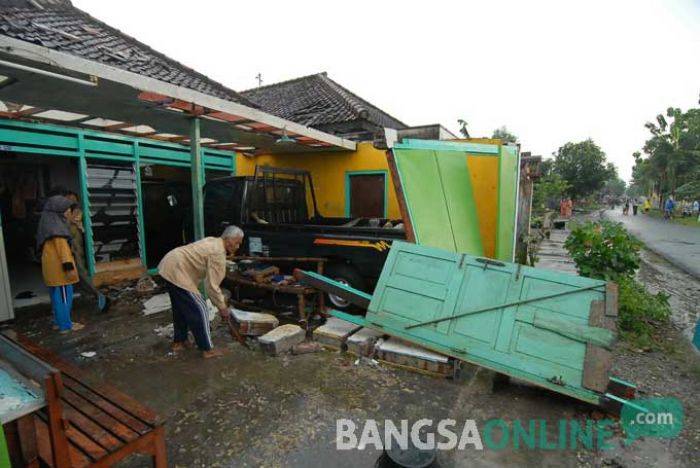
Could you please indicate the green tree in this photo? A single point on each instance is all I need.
(614, 187)
(584, 167)
(504, 135)
(548, 190)
(672, 154)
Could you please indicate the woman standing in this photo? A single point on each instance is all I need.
(75, 224)
(57, 262)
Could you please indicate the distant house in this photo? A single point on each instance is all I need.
(321, 103)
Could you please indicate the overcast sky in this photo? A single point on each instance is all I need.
(551, 72)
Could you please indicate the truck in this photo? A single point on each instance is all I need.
(277, 210)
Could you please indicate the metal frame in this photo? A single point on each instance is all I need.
(68, 62)
(83, 144)
(349, 174)
(440, 145)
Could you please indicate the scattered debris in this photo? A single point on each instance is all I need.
(25, 295)
(253, 323)
(281, 339)
(145, 285)
(261, 273)
(400, 353)
(157, 303)
(334, 332)
(367, 361)
(88, 354)
(167, 331)
(362, 342)
(307, 347)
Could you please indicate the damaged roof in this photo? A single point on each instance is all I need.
(316, 100)
(58, 25)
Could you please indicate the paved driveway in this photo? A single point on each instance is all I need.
(678, 244)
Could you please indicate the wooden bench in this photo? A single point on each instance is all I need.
(100, 425)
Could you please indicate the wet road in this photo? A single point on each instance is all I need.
(678, 244)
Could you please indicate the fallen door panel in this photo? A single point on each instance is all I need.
(529, 323)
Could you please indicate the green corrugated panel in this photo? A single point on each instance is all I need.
(508, 177)
(438, 194)
(489, 316)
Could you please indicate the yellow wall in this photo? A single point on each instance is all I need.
(328, 171)
(484, 174)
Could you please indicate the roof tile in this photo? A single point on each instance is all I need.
(60, 26)
(316, 100)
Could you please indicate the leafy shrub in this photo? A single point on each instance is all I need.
(640, 312)
(603, 250)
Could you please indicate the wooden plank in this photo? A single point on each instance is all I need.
(99, 416)
(77, 458)
(594, 335)
(320, 282)
(400, 197)
(90, 429)
(27, 439)
(598, 360)
(114, 411)
(90, 448)
(109, 393)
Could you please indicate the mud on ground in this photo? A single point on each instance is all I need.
(247, 409)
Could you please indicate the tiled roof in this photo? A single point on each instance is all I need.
(317, 100)
(57, 25)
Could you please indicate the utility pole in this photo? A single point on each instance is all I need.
(259, 78)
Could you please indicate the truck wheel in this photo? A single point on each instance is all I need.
(345, 274)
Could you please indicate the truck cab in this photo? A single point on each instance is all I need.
(277, 210)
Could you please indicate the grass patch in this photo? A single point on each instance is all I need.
(641, 313)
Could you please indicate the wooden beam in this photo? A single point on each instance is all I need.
(119, 126)
(178, 139)
(36, 110)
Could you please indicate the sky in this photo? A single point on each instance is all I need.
(551, 72)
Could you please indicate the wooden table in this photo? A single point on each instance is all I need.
(302, 292)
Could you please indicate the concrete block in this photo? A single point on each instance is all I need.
(362, 342)
(402, 354)
(281, 339)
(334, 332)
(254, 323)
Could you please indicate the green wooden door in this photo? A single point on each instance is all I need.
(436, 188)
(487, 312)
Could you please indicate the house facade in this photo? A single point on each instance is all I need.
(350, 184)
(134, 134)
